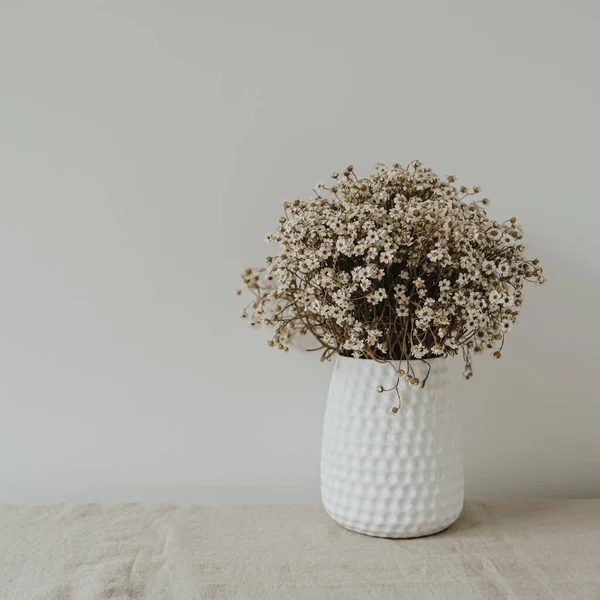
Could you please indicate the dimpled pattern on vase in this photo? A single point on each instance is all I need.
(390, 475)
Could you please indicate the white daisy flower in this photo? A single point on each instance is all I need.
(435, 255)
(495, 297)
(402, 311)
(418, 351)
(386, 257)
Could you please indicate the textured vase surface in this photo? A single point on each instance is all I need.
(391, 475)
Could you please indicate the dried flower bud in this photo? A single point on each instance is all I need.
(380, 388)
(451, 178)
(394, 409)
(238, 292)
(476, 189)
(498, 354)
(485, 201)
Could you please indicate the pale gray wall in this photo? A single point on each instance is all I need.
(145, 148)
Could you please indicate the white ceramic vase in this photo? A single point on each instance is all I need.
(390, 475)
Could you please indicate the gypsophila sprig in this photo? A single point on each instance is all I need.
(397, 266)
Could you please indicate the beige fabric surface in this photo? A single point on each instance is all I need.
(521, 550)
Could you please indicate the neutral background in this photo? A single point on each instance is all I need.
(145, 149)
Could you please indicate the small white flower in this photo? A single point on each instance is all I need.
(402, 311)
(444, 285)
(377, 296)
(386, 257)
(425, 313)
(381, 293)
(451, 343)
(488, 267)
(400, 292)
(435, 255)
(495, 297)
(418, 350)
(507, 300)
(324, 252)
(372, 253)
(503, 269)
(372, 237)
(441, 318)
(460, 298)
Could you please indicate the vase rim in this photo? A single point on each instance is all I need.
(383, 362)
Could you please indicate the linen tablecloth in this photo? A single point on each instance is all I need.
(522, 550)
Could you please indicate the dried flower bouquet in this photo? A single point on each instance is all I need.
(401, 265)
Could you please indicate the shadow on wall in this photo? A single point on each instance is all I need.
(530, 419)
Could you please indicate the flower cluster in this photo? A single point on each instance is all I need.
(396, 266)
